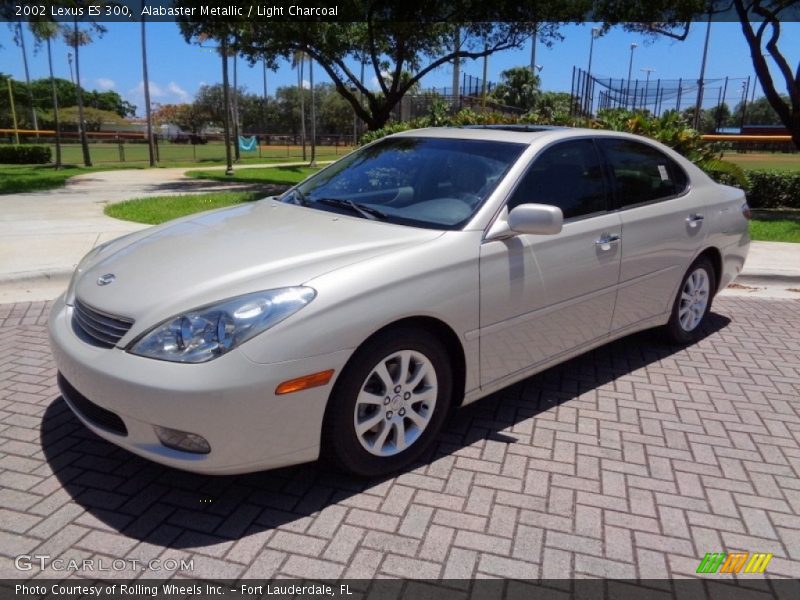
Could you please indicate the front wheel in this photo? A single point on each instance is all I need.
(693, 303)
(389, 403)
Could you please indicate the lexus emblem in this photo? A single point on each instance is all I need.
(106, 279)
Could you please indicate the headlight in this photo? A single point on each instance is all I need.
(205, 333)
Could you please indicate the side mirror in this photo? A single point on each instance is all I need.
(538, 219)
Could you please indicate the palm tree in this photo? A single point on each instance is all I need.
(47, 31)
(77, 38)
(146, 84)
(235, 105)
(297, 61)
(223, 51)
(313, 114)
(19, 38)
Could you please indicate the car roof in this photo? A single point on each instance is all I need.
(527, 134)
(520, 134)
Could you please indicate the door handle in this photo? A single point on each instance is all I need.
(606, 240)
(694, 219)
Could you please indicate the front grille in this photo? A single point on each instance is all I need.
(97, 415)
(98, 328)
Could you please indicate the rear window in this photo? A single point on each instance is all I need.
(641, 173)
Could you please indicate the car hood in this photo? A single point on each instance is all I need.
(220, 254)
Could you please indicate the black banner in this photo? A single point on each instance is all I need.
(401, 589)
(344, 10)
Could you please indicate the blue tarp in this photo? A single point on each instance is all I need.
(247, 144)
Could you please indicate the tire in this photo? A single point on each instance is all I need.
(374, 425)
(692, 303)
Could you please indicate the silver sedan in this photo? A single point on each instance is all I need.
(347, 317)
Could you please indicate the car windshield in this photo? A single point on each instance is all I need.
(425, 182)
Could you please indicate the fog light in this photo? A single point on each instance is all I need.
(182, 440)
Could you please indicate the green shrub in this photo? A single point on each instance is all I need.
(774, 189)
(25, 155)
(671, 129)
(726, 173)
(389, 129)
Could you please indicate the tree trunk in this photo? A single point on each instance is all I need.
(87, 159)
(56, 123)
(226, 111)
(313, 114)
(27, 77)
(235, 109)
(146, 83)
(301, 91)
(789, 113)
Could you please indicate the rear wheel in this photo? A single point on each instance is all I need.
(693, 303)
(389, 403)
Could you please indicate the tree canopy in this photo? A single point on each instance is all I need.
(393, 38)
(518, 87)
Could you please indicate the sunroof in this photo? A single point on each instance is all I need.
(520, 127)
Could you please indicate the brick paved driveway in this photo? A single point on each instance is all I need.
(632, 461)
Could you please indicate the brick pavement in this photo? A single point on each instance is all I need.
(632, 461)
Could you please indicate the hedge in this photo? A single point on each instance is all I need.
(774, 189)
(25, 155)
(765, 189)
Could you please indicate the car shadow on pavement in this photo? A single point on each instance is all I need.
(175, 509)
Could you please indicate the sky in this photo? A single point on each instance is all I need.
(177, 69)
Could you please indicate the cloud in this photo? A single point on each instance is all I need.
(306, 84)
(178, 91)
(156, 91)
(105, 84)
(171, 93)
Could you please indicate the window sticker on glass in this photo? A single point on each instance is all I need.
(662, 170)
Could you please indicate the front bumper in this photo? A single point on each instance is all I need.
(230, 401)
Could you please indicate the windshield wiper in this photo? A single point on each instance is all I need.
(364, 210)
(299, 197)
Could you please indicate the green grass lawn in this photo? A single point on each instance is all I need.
(164, 208)
(159, 209)
(268, 175)
(765, 161)
(779, 230)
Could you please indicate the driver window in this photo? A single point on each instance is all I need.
(568, 175)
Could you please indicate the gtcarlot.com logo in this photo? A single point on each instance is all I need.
(27, 562)
(735, 562)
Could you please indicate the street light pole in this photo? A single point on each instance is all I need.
(647, 70)
(700, 82)
(745, 85)
(634, 45)
(595, 33)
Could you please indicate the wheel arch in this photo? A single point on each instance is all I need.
(714, 255)
(430, 325)
(443, 332)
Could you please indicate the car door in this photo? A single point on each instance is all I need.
(543, 296)
(662, 228)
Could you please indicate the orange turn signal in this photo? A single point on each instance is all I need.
(304, 382)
